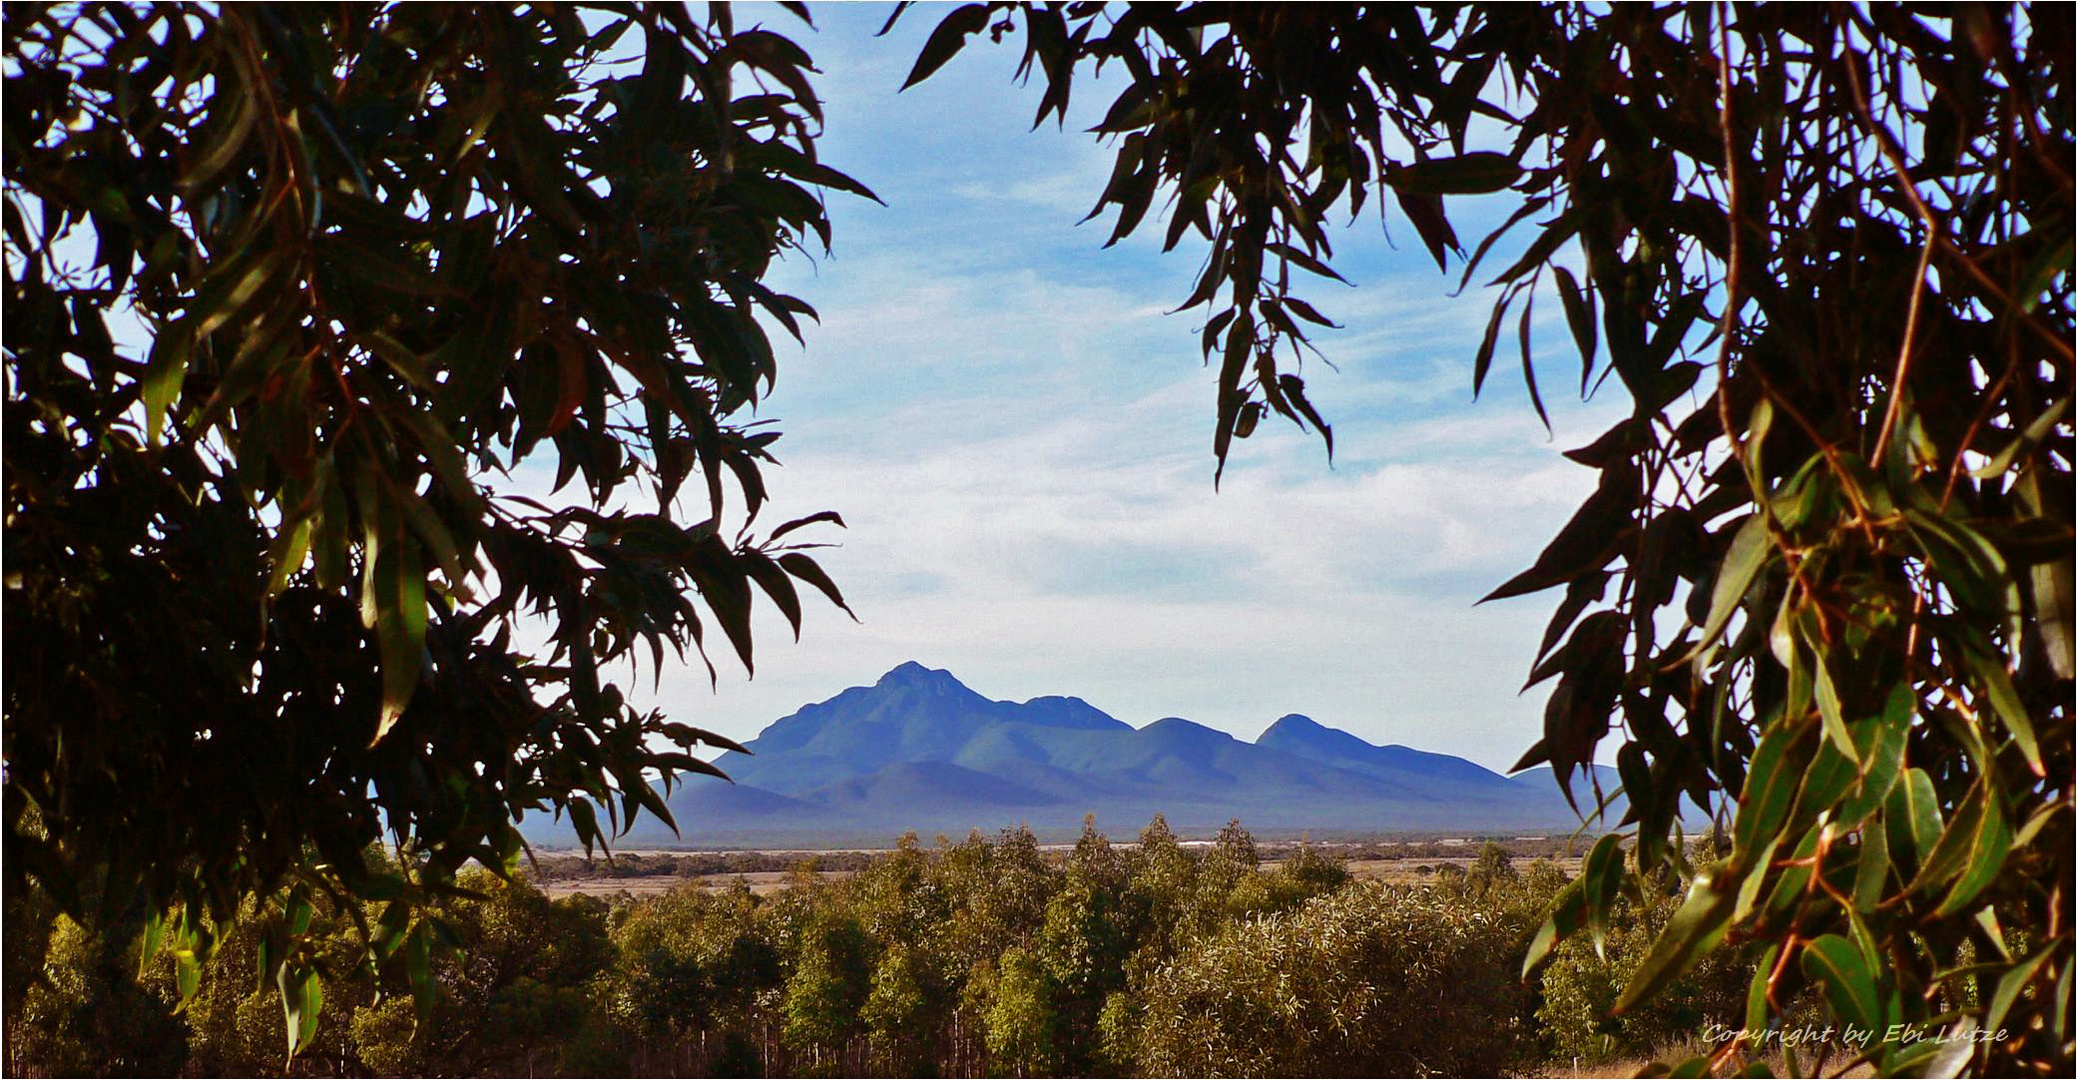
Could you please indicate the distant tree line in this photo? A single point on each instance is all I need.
(988, 957)
(570, 867)
(1425, 855)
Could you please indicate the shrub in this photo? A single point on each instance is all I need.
(1387, 980)
(87, 1015)
(1579, 989)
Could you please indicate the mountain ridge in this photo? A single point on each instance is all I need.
(920, 750)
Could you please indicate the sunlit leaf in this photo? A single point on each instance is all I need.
(1750, 550)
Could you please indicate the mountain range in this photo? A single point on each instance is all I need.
(919, 750)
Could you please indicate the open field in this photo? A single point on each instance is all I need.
(761, 882)
(651, 872)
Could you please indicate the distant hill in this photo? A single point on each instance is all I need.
(919, 750)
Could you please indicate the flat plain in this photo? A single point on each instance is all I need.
(651, 872)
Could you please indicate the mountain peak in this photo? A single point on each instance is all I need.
(1176, 727)
(1066, 712)
(1307, 738)
(1293, 729)
(1293, 724)
(911, 673)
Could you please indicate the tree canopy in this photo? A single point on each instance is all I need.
(1824, 586)
(296, 295)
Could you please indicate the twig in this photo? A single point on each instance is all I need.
(1991, 401)
(1897, 384)
(2060, 349)
(1730, 321)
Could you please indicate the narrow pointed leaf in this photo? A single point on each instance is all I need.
(1476, 173)
(1750, 550)
(1850, 987)
(946, 41)
(1697, 926)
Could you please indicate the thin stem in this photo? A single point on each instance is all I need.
(1897, 384)
(1984, 412)
(1729, 323)
(2060, 349)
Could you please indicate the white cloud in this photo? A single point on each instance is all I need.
(1019, 440)
(994, 555)
(1068, 194)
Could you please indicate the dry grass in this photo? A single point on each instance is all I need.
(1605, 1069)
(1682, 1051)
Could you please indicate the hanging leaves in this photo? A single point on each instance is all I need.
(1823, 587)
(271, 591)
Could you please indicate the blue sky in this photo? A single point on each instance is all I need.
(1019, 437)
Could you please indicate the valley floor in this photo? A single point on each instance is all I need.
(652, 872)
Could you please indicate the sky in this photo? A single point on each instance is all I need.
(1017, 433)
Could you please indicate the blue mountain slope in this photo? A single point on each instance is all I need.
(703, 804)
(925, 783)
(1541, 781)
(913, 713)
(1416, 772)
(1062, 712)
(1022, 754)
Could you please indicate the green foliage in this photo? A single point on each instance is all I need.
(1159, 885)
(1581, 983)
(383, 1033)
(828, 985)
(895, 1010)
(1082, 952)
(1823, 588)
(1493, 869)
(517, 990)
(1307, 872)
(1364, 980)
(998, 893)
(695, 967)
(513, 989)
(1295, 969)
(24, 947)
(83, 1011)
(347, 262)
(1021, 1020)
(235, 1018)
(1118, 1034)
